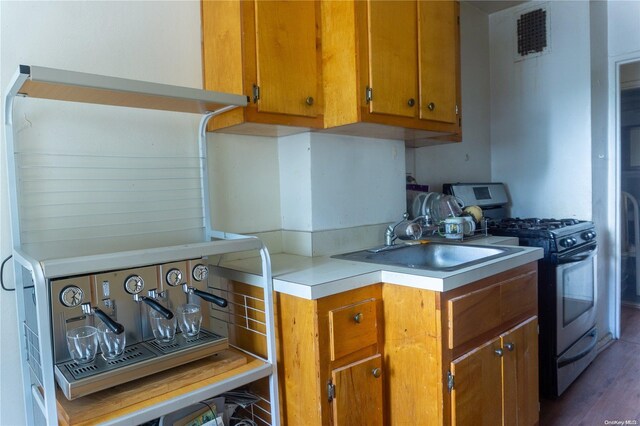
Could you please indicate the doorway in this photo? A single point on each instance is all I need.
(629, 167)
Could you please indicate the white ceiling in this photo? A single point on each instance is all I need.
(490, 7)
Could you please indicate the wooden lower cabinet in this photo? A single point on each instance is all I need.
(386, 354)
(497, 383)
(358, 393)
(330, 358)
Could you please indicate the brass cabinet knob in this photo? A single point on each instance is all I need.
(499, 352)
(376, 372)
(431, 106)
(358, 317)
(309, 100)
(510, 346)
(411, 102)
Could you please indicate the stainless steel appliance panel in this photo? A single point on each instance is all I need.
(67, 296)
(576, 295)
(110, 289)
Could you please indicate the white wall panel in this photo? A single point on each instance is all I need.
(541, 114)
(356, 181)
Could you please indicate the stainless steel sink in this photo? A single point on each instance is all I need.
(430, 256)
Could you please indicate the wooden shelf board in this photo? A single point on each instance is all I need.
(128, 398)
(50, 83)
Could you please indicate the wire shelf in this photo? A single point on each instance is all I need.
(33, 353)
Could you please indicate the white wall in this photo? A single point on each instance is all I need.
(244, 172)
(356, 181)
(624, 27)
(154, 41)
(470, 160)
(541, 114)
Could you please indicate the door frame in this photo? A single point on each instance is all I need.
(615, 187)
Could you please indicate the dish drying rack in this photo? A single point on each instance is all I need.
(32, 273)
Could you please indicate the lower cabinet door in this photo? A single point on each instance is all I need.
(357, 398)
(520, 374)
(476, 397)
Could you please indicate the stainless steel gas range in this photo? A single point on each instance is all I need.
(567, 292)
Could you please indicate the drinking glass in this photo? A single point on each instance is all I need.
(164, 330)
(111, 344)
(189, 319)
(83, 344)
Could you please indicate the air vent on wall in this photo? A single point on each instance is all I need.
(532, 32)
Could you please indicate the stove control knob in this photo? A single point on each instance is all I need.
(568, 242)
(589, 235)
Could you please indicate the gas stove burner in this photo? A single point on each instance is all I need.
(532, 223)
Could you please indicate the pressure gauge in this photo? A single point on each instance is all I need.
(134, 284)
(71, 296)
(200, 272)
(174, 277)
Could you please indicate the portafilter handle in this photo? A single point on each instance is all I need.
(155, 305)
(114, 326)
(220, 301)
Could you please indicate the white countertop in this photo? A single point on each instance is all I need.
(316, 277)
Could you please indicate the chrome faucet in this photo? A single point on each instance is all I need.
(389, 234)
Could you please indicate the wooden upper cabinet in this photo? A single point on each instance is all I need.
(310, 64)
(393, 66)
(286, 57)
(439, 68)
(409, 65)
(269, 51)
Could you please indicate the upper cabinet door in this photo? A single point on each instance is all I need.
(287, 57)
(393, 67)
(439, 37)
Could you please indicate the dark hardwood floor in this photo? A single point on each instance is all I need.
(609, 390)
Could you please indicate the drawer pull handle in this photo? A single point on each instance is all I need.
(376, 372)
(499, 352)
(309, 100)
(431, 106)
(510, 346)
(411, 102)
(358, 317)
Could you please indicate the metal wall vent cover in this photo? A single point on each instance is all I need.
(532, 33)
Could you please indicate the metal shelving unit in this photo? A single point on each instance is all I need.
(33, 275)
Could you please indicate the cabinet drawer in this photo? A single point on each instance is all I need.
(493, 308)
(352, 328)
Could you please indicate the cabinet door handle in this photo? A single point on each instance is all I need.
(499, 352)
(411, 102)
(376, 372)
(309, 100)
(431, 106)
(510, 346)
(358, 317)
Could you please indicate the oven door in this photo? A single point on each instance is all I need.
(576, 294)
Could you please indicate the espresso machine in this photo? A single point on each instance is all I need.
(123, 300)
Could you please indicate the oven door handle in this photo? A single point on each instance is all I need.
(578, 257)
(581, 354)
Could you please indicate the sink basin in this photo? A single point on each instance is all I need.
(430, 256)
